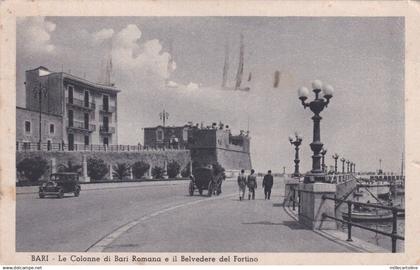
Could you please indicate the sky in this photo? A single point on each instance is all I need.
(361, 57)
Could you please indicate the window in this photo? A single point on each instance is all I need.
(27, 127)
(70, 89)
(159, 135)
(52, 129)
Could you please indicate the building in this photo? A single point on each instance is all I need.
(74, 111)
(208, 145)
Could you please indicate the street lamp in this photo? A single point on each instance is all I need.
(323, 153)
(348, 166)
(316, 106)
(296, 141)
(39, 92)
(335, 157)
(344, 161)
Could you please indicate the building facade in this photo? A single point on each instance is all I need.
(87, 111)
(207, 145)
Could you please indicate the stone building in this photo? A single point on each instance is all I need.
(74, 111)
(207, 145)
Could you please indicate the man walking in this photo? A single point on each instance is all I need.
(267, 184)
(241, 184)
(252, 185)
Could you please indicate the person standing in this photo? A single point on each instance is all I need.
(252, 185)
(241, 184)
(267, 184)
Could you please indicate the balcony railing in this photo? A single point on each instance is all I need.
(106, 130)
(106, 109)
(81, 126)
(81, 104)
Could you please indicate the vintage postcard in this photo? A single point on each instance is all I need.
(158, 132)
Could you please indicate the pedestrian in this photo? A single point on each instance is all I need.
(252, 185)
(267, 184)
(242, 184)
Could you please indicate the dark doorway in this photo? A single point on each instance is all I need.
(71, 141)
(86, 140)
(106, 123)
(70, 118)
(86, 99)
(105, 102)
(86, 121)
(71, 95)
(106, 141)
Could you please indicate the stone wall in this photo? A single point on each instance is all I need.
(234, 160)
(154, 158)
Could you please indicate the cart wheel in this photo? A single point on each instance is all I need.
(191, 188)
(210, 191)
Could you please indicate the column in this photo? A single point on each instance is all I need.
(312, 206)
(111, 172)
(53, 165)
(165, 168)
(85, 177)
(131, 173)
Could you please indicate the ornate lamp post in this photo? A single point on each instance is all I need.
(316, 106)
(348, 166)
(323, 153)
(354, 167)
(296, 141)
(344, 161)
(335, 157)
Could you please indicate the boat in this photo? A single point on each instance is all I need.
(368, 215)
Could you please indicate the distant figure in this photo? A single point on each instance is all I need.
(252, 185)
(241, 184)
(267, 184)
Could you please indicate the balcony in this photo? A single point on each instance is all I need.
(80, 126)
(106, 130)
(106, 109)
(81, 104)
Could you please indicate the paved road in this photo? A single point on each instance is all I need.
(162, 218)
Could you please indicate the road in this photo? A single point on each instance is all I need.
(162, 218)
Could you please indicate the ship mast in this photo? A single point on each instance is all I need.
(226, 65)
(402, 164)
(241, 64)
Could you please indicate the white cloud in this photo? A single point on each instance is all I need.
(101, 35)
(34, 35)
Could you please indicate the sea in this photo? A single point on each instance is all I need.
(372, 237)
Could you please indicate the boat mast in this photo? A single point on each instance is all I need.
(226, 65)
(241, 64)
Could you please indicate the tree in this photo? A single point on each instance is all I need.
(97, 169)
(69, 167)
(157, 172)
(32, 168)
(173, 169)
(139, 168)
(121, 170)
(186, 171)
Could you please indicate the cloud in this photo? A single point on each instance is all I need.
(34, 35)
(102, 35)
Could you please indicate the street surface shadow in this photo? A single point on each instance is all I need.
(293, 225)
(278, 204)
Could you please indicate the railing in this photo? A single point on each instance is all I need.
(81, 103)
(83, 126)
(393, 235)
(107, 109)
(106, 129)
(35, 146)
(338, 178)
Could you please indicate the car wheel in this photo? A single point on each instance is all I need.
(42, 196)
(60, 194)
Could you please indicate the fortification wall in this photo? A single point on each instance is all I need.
(234, 160)
(154, 158)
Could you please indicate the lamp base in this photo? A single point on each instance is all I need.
(314, 178)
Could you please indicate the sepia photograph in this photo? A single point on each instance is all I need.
(160, 136)
(171, 134)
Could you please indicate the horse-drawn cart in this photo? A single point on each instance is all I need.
(205, 179)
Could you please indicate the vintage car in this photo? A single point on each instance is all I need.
(59, 184)
(204, 178)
